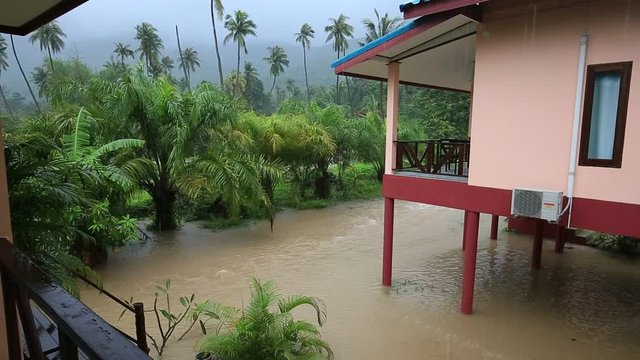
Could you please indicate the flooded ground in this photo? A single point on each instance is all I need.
(583, 304)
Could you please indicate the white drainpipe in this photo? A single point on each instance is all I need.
(571, 180)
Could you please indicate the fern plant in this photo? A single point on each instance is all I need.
(266, 329)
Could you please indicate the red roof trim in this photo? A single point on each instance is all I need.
(429, 23)
(432, 8)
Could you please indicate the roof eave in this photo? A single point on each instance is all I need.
(418, 26)
(37, 21)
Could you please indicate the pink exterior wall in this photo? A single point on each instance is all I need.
(524, 94)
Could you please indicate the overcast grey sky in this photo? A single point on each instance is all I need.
(94, 27)
(277, 20)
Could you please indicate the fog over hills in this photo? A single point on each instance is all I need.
(94, 28)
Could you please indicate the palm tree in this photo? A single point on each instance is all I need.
(380, 27)
(123, 51)
(339, 31)
(254, 88)
(167, 64)
(217, 10)
(24, 76)
(50, 38)
(150, 44)
(4, 65)
(266, 329)
(292, 90)
(239, 26)
(189, 60)
(236, 84)
(40, 75)
(183, 152)
(278, 60)
(375, 30)
(304, 38)
(186, 75)
(250, 71)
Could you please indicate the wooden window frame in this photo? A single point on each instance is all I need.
(621, 119)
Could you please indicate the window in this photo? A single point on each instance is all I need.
(605, 114)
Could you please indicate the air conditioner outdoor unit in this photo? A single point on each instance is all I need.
(545, 205)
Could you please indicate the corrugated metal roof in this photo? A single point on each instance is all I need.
(411, 3)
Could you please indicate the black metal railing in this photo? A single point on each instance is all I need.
(81, 333)
(442, 157)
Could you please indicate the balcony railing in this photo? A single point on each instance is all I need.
(80, 332)
(441, 157)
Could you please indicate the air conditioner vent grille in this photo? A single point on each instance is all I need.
(546, 205)
(527, 203)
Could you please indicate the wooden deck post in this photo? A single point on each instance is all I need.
(141, 328)
(469, 270)
(5, 231)
(10, 325)
(537, 245)
(387, 250)
(495, 222)
(393, 105)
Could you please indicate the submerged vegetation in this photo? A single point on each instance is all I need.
(619, 244)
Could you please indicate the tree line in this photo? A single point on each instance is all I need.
(230, 151)
(238, 25)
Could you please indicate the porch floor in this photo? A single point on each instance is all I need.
(419, 174)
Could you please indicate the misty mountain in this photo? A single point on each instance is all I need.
(96, 51)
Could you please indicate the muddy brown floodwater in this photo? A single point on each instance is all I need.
(584, 304)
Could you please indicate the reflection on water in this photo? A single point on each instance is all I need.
(583, 304)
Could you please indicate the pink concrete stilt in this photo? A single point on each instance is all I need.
(561, 238)
(537, 245)
(495, 221)
(469, 271)
(464, 231)
(387, 250)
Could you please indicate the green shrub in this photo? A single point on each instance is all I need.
(267, 330)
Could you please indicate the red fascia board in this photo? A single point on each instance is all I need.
(448, 193)
(606, 216)
(429, 23)
(431, 8)
(589, 214)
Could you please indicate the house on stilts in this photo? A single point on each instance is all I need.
(554, 129)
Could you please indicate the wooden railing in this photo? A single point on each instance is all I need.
(81, 333)
(137, 309)
(443, 157)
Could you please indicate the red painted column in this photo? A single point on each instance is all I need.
(469, 271)
(464, 231)
(495, 222)
(561, 238)
(537, 245)
(387, 250)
